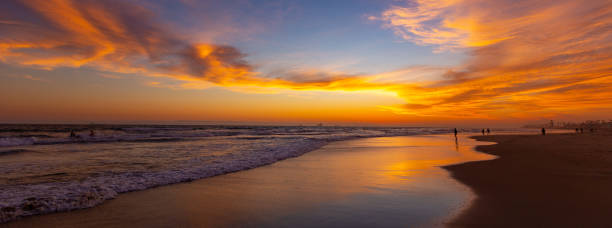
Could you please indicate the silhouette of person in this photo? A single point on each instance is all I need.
(483, 131)
(455, 132)
(543, 131)
(91, 133)
(488, 131)
(456, 144)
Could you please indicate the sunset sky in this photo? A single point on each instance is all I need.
(357, 62)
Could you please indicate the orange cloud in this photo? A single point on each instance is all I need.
(526, 58)
(111, 36)
(118, 37)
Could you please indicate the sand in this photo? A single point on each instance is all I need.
(556, 180)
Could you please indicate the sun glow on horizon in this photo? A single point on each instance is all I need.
(523, 61)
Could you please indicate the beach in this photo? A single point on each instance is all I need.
(289, 113)
(368, 182)
(43, 169)
(555, 180)
(514, 180)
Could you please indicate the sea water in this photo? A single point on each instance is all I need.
(43, 169)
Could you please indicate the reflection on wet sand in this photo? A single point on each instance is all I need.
(390, 181)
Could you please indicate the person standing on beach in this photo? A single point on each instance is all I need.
(543, 131)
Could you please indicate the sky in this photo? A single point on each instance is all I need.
(359, 62)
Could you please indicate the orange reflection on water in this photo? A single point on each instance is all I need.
(399, 160)
(382, 182)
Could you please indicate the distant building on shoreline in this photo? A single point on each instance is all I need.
(594, 124)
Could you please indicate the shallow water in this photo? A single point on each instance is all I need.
(44, 170)
(385, 181)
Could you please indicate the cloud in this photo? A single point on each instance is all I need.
(30, 77)
(111, 76)
(111, 36)
(121, 37)
(525, 57)
(26, 76)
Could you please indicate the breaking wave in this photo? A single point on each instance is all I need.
(85, 171)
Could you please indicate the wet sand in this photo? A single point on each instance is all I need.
(372, 182)
(557, 180)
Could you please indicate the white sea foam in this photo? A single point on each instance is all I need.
(53, 189)
(14, 141)
(24, 200)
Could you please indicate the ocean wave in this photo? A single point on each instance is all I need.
(24, 200)
(20, 140)
(12, 151)
(260, 145)
(12, 141)
(16, 141)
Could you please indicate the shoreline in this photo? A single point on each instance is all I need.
(41, 205)
(38, 203)
(392, 180)
(556, 180)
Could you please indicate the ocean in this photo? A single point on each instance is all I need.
(43, 169)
